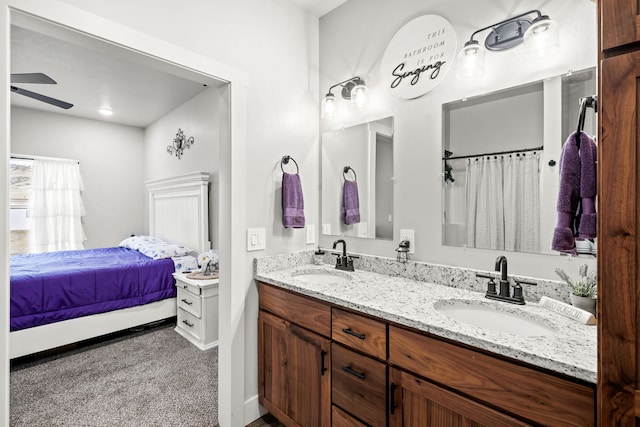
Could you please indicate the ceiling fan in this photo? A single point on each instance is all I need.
(37, 78)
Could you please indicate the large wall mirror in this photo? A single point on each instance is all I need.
(357, 172)
(501, 154)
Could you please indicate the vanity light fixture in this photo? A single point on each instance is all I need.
(538, 35)
(353, 89)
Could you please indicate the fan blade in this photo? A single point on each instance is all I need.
(39, 78)
(42, 98)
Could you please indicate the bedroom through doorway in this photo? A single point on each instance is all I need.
(119, 154)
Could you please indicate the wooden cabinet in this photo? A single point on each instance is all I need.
(415, 402)
(321, 365)
(519, 390)
(620, 23)
(294, 366)
(197, 312)
(359, 385)
(618, 214)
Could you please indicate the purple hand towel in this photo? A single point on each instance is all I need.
(292, 201)
(350, 203)
(588, 160)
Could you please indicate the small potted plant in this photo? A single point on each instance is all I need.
(583, 290)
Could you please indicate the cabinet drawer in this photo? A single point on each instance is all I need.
(359, 332)
(517, 389)
(340, 418)
(189, 302)
(300, 310)
(190, 323)
(194, 290)
(358, 385)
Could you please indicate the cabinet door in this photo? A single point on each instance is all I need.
(418, 403)
(618, 218)
(294, 372)
(621, 21)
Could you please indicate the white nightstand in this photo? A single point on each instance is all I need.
(197, 310)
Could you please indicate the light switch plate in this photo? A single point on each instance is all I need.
(326, 229)
(311, 234)
(256, 239)
(406, 234)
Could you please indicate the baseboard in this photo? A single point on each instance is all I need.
(252, 410)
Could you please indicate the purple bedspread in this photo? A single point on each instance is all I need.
(54, 286)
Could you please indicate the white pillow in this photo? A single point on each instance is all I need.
(185, 263)
(160, 250)
(136, 242)
(154, 247)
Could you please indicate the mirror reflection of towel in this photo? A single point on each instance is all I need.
(292, 201)
(350, 203)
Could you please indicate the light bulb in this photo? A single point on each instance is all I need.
(470, 61)
(328, 110)
(541, 38)
(359, 96)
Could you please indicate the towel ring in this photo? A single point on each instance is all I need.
(285, 160)
(346, 170)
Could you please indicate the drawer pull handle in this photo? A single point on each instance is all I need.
(184, 300)
(352, 372)
(189, 324)
(185, 286)
(355, 334)
(323, 368)
(392, 397)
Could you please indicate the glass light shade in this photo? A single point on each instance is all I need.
(328, 110)
(359, 96)
(541, 38)
(470, 61)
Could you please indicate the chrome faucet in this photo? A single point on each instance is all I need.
(344, 261)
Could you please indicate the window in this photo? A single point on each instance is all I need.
(19, 193)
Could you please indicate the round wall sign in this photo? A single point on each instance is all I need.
(419, 56)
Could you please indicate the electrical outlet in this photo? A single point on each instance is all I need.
(410, 236)
(311, 234)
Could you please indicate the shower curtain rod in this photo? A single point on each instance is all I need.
(53, 159)
(494, 153)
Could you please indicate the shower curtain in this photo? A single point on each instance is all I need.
(55, 206)
(503, 202)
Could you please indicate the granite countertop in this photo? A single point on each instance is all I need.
(570, 348)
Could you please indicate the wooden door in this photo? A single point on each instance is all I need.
(294, 372)
(620, 23)
(414, 402)
(618, 218)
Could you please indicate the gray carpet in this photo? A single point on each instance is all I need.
(149, 378)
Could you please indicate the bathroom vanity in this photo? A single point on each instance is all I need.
(364, 348)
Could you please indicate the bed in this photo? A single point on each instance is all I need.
(64, 297)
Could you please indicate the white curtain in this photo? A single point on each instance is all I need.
(485, 202)
(503, 202)
(55, 206)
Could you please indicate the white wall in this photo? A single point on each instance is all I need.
(276, 43)
(199, 117)
(110, 158)
(353, 39)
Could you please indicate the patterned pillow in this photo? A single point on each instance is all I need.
(136, 242)
(161, 249)
(185, 263)
(154, 247)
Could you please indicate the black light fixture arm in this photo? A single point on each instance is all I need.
(505, 21)
(355, 80)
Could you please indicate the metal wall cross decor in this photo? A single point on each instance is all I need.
(180, 142)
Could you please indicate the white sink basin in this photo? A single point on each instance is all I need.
(323, 277)
(495, 317)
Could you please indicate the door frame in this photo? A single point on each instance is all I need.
(232, 186)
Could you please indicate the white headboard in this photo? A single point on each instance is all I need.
(179, 210)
